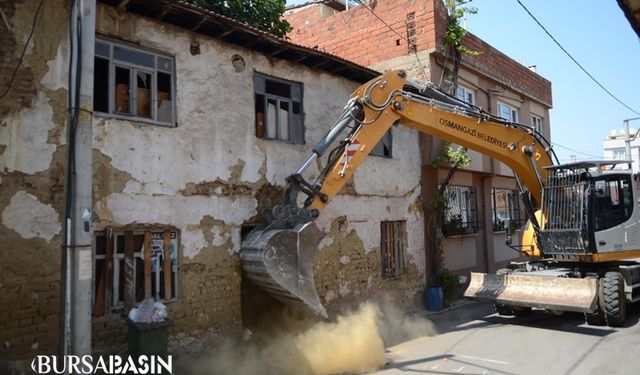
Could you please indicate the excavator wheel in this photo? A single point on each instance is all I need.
(614, 299)
(596, 318)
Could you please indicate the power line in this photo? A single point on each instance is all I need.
(415, 52)
(24, 51)
(574, 60)
(577, 152)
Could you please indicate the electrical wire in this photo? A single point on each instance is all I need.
(24, 51)
(422, 70)
(576, 61)
(578, 152)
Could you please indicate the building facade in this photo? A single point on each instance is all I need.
(409, 35)
(197, 121)
(614, 148)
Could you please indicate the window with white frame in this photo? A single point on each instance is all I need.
(133, 83)
(505, 205)
(278, 109)
(619, 154)
(466, 95)
(131, 266)
(536, 123)
(507, 112)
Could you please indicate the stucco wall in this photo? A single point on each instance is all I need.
(32, 151)
(210, 174)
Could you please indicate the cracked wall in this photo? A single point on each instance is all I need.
(210, 175)
(32, 152)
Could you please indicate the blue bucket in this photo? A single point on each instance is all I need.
(433, 298)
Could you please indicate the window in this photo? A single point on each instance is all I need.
(507, 112)
(393, 236)
(505, 205)
(130, 267)
(536, 123)
(132, 83)
(612, 202)
(411, 32)
(460, 216)
(384, 147)
(278, 109)
(466, 95)
(619, 154)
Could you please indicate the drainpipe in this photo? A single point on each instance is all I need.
(77, 256)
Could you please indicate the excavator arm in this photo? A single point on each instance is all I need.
(278, 256)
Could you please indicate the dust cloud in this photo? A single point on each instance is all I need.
(354, 343)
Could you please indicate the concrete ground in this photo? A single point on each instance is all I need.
(474, 340)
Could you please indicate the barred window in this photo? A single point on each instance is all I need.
(505, 205)
(393, 236)
(460, 215)
(131, 266)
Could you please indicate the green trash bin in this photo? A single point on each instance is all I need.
(148, 338)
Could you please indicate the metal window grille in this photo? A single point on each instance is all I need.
(392, 246)
(131, 266)
(460, 216)
(412, 36)
(564, 208)
(131, 83)
(278, 109)
(505, 205)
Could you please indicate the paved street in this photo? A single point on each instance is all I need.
(474, 340)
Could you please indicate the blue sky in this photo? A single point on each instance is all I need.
(598, 35)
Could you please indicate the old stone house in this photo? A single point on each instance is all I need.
(409, 34)
(197, 120)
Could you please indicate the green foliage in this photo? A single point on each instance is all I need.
(265, 15)
(449, 285)
(455, 31)
(451, 155)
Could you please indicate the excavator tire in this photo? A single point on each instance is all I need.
(596, 318)
(614, 299)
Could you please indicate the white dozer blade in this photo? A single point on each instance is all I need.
(280, 261)
(540, 291)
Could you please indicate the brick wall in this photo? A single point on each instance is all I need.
(357, 35)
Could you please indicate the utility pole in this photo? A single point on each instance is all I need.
(628, 139)
(78, 256)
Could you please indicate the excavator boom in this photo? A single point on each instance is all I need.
(279, 255)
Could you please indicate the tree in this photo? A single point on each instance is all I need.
(265, 15)
(454, 35)
(451, 156)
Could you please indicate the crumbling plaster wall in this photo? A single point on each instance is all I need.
(32, 153)
(210, 174)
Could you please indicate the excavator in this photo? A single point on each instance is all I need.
(581, 237)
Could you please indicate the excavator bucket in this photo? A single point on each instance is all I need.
(280, 261)
(531, 290)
